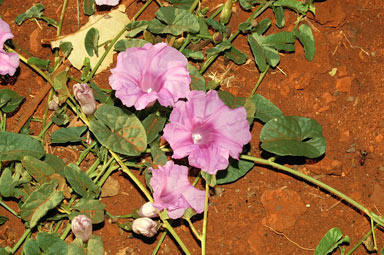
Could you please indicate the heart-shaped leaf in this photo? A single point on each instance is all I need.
(294, 136)
(305, 36)
(197, 80)
(331, 240)
(235, 171)
(265, 109)
(122, 133)
(68, 135)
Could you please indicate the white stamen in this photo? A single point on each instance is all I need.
(149, 90)
(196, 138)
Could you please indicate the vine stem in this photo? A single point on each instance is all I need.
(261, 77)
(254, 15)
(362, 240)
(21, 240)
(195, 232)
(205, 222)
(370, 214)
(157, 248)
(7, 207)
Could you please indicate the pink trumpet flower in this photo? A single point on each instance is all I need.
(9, 61)
(107, 2)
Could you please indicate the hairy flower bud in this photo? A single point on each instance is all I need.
(84, 95)
(53, 105)
(82, 227)
(145, 227)
(217, 37)
(148, 210)
(226, 12)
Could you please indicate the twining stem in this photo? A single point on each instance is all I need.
(254, 15)
(261, 77)
(157, 248)
(194, 230)
(7, 207)
(175, 235)
(65, 4)
(205, 222)
(370, 214)
(101, 59)
(21, 240)
(362, 240)
(193, 6)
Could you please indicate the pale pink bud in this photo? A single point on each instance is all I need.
(145, 227)
(148, 210)
(84, 95)
(82, 227)
(53, 105)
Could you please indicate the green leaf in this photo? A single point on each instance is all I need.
(262, 27)
(16, 146)
(51, 244)
(40, 63)
(36, 11)
(76, 247)
(55, 162)
(39, 202)
(95, 246)
(265, 109)
(182, 4)
(93, 208)
(250, 108)
(100, 95)
(245, 5)
(38, 169)
(305, 36)
(292, 4)
(124, 44)
(294, 136)
(80, 182)
(3, 219)
(60, 86)
(68, 135)
(9, 100)
(215, 25)
(86, 68)
(235, 171)
(89, 7)
(236, 56)
(60, 119)
(279, 16)
(204, 30)
(209, 178)
(153, 124)
(283, 41)
(189, 213)
(31, 247)
(122, 133)
(158, 156)
(177, 20)
(331, 240)
(66, 48)
(230, 100)
(91, 42)
(221, 47)
(196, 55)
(136, 27)
(7, 183)
(197, 80)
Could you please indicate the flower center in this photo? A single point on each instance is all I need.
(196, 138)
(203, 134)
(149, 90)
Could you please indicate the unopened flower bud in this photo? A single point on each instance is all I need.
(145, 227)
(82, 227)
(217, 37)
(84, 95)
(53, 105)
(226, 12)
(148, 210)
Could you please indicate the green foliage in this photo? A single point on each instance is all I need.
(89, 7)
(136, 27)
(36, 11)
(230, 100)
(16, 146)
(8, 183)
(60, 119)
(93, 208)
(176, 22)
(221, 47)
(215, 25)
(158, 156)
(80, 182)
(99, 95)
(68, 135)
(236, 56)
(265, 49)
(66, 48)
(153, 124)
(305, 36)
(40, 63)
(197, 80)
(245, 5)
(196, 55)
(124, 44)
(60, 86)
(226, 13)
(39, 202)
(279, 16)
(235, 170)
(95, 246)
(209, 178)
(91, 42)
(331, 240)
(292, 4)
(3, 219)
(294, 136)
(9, 100)
(46, 243)
(251, 27)
(39, 170)
(182, 4)
(122, 133)
(265, 109)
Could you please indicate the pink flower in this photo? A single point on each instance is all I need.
(107, 2)
(82, 227)
(207, 131)
(8, 61)
(84, 95)
(144, 226)
(173, 191)
(151, 72)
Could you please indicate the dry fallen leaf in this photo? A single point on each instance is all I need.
(108, 25)
(110, 188)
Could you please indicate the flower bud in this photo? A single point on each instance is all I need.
(84, 95)
(217, 37)
(82, 227)
(53, 105)
(226, 12)
(145, 227)
(148, 210)
(179, 42)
